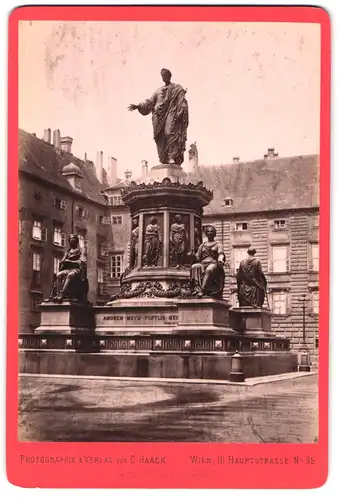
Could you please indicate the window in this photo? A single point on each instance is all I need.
(115, 200)
(314, 257)
(59, 238)
(279, 302)
(36, 261)
(60, 204)
(100, 280)
(228, 202)
(315, 302)
(77, 183)
(116, 265)
(56, 265)
(116, 219)
(36, 264)
(241, 226)
(81, 212)
(37, 196)
(37, 230)
(82, 238)
(279, 224)
(280, 259)
(99, 218)
(240, 253)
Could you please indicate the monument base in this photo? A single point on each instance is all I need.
(157, 337)
(68, 317)
(212, 366)
(204, 315)
(251, 320)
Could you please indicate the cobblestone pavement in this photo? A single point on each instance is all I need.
(81, 409)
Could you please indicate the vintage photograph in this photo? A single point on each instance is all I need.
(168, 231)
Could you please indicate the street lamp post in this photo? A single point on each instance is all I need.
(304, 354)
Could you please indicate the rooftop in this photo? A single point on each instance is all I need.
(256, 186)
(261, 185)
(43, 160)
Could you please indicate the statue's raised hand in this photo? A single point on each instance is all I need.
(132, 107)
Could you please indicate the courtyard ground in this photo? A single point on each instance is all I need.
(89, 409)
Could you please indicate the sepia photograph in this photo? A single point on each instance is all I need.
(169, 231)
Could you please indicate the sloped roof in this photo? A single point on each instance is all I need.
(119, 184)
(42, 160)
(261, 185)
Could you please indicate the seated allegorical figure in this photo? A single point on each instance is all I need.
(207, 273)
(71, 280)
(251, 281)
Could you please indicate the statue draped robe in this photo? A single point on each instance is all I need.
(251, 283)
(178, 238)
(170, 118)
(207, 274)
(152, 246)
(73, 265)
(134, 247)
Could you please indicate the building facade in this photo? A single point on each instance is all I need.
(272, 204)
(58, 195)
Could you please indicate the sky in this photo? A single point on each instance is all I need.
(251, 86)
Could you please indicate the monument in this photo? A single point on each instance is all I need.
(170, 118)
(170, 318)
(67, 310)
(251, 316)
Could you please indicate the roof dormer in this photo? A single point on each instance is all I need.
(73, 175)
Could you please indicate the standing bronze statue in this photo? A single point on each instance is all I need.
(170, 118)
(152, 247)
(71, 280)
(178, 242)
(134, 243)
(251, 281)
(207, 273)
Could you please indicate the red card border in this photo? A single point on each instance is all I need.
(178, 473)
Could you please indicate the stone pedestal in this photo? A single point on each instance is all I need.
(205, 315)
(254, 321)
(158, 365)
(66, 318)
(136, 317)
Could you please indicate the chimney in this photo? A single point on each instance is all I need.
(193, 156)
(99, 166)
(127, 175)
(66, 144)
(271, 154)
(104, 176)
(56, 138)
(47, 135)
(235, 159)
(112, 171)
(144, 164)
(85, 157)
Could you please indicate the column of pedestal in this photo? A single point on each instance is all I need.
(192, 231)
(140, 241)
(166, 239)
